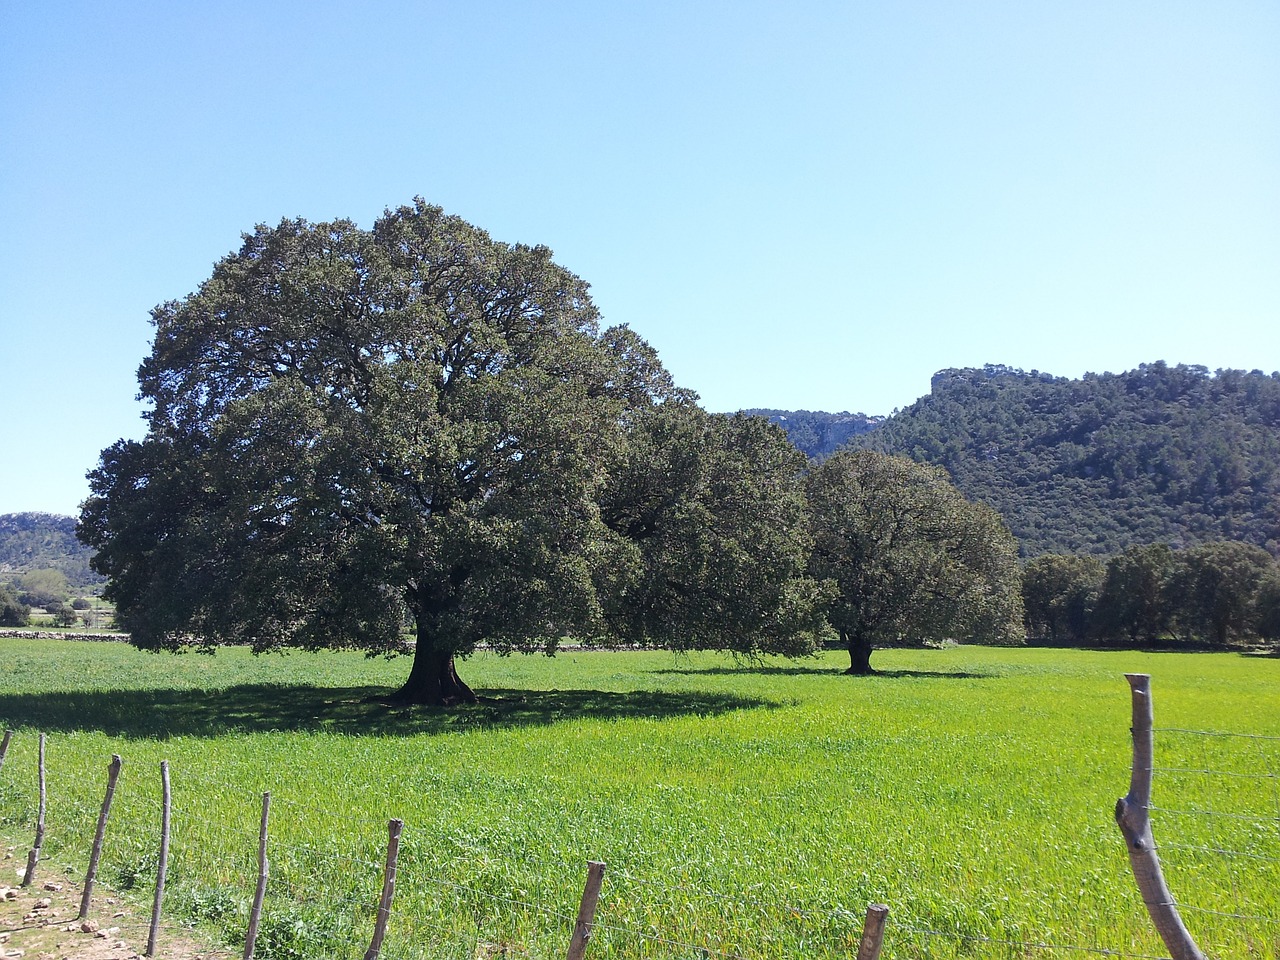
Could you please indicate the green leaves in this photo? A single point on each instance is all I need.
(910, 559)
(352, 424)
(711, 517)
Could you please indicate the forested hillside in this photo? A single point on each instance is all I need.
(1158, 454)
(817, 434)
(42, 541)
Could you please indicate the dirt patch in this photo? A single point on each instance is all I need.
(39, 922)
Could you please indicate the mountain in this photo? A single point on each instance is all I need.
(38, 541)
(1163, 453)
(817, 434)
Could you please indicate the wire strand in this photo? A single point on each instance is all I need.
(1217, 850)
(1250, 817)
(1216, 773)
(1275, 921)
(1213, 733)
(1021, 944)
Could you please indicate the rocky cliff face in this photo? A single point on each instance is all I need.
(818, 434)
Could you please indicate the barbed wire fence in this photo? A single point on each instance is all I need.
(333, 887)
(1220, 826)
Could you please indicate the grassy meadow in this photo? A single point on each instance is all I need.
(743, 809)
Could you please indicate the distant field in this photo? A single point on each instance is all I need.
(749, 810)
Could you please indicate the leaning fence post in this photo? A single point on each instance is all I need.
(163, 866)
(388, 889)
(4, 746)
(34, 856)
(873, 932)
(1132, 816)
(586, 910)
(251, 938)
(113, 773)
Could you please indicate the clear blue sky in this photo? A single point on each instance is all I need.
(802, 205)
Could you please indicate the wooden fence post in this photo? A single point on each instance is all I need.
(873, 932)
(34, 856)
(113, 773)
(251, 938)
(1133, 818)
(388, 889)
(4, 746)
(586, 910)
(163, 866)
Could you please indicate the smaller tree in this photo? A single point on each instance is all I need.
(1132, 603)
(13, 612)
(1059, 593)
(1213, 591)
(909, 559)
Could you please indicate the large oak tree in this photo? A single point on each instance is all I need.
(352, 428)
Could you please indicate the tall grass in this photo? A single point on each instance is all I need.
(749, 809)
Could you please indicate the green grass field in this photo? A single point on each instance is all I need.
(743, 809)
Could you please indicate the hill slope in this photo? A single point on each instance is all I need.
(37, 541)
(1160, 453)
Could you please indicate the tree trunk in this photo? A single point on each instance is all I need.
(859, 648)
(433, 679)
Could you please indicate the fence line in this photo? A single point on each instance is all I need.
(1235, 840)
(1218, 850)
(668, 942)
(1217, 773)
(1233, 916)
(781, 906)
(1222, 814)
(1213, 733)
(1023, 945)
(292, 858)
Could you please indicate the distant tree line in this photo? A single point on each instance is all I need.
(1211, 594)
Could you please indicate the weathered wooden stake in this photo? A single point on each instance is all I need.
(4, 746)
(113, 773)
(163, 866)
(586, 910)
(34, 856)
(1133, 818)
(388, 889)
(255, 915)
(873, 932)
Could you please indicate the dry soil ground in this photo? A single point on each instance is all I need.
(38, 922)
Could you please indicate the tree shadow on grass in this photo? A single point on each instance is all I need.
(931, 674)
(824, 671)
(351, 711)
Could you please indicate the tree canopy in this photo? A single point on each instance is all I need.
(353, 429)
(13, 612)
(911, 560)
(1060, 594)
